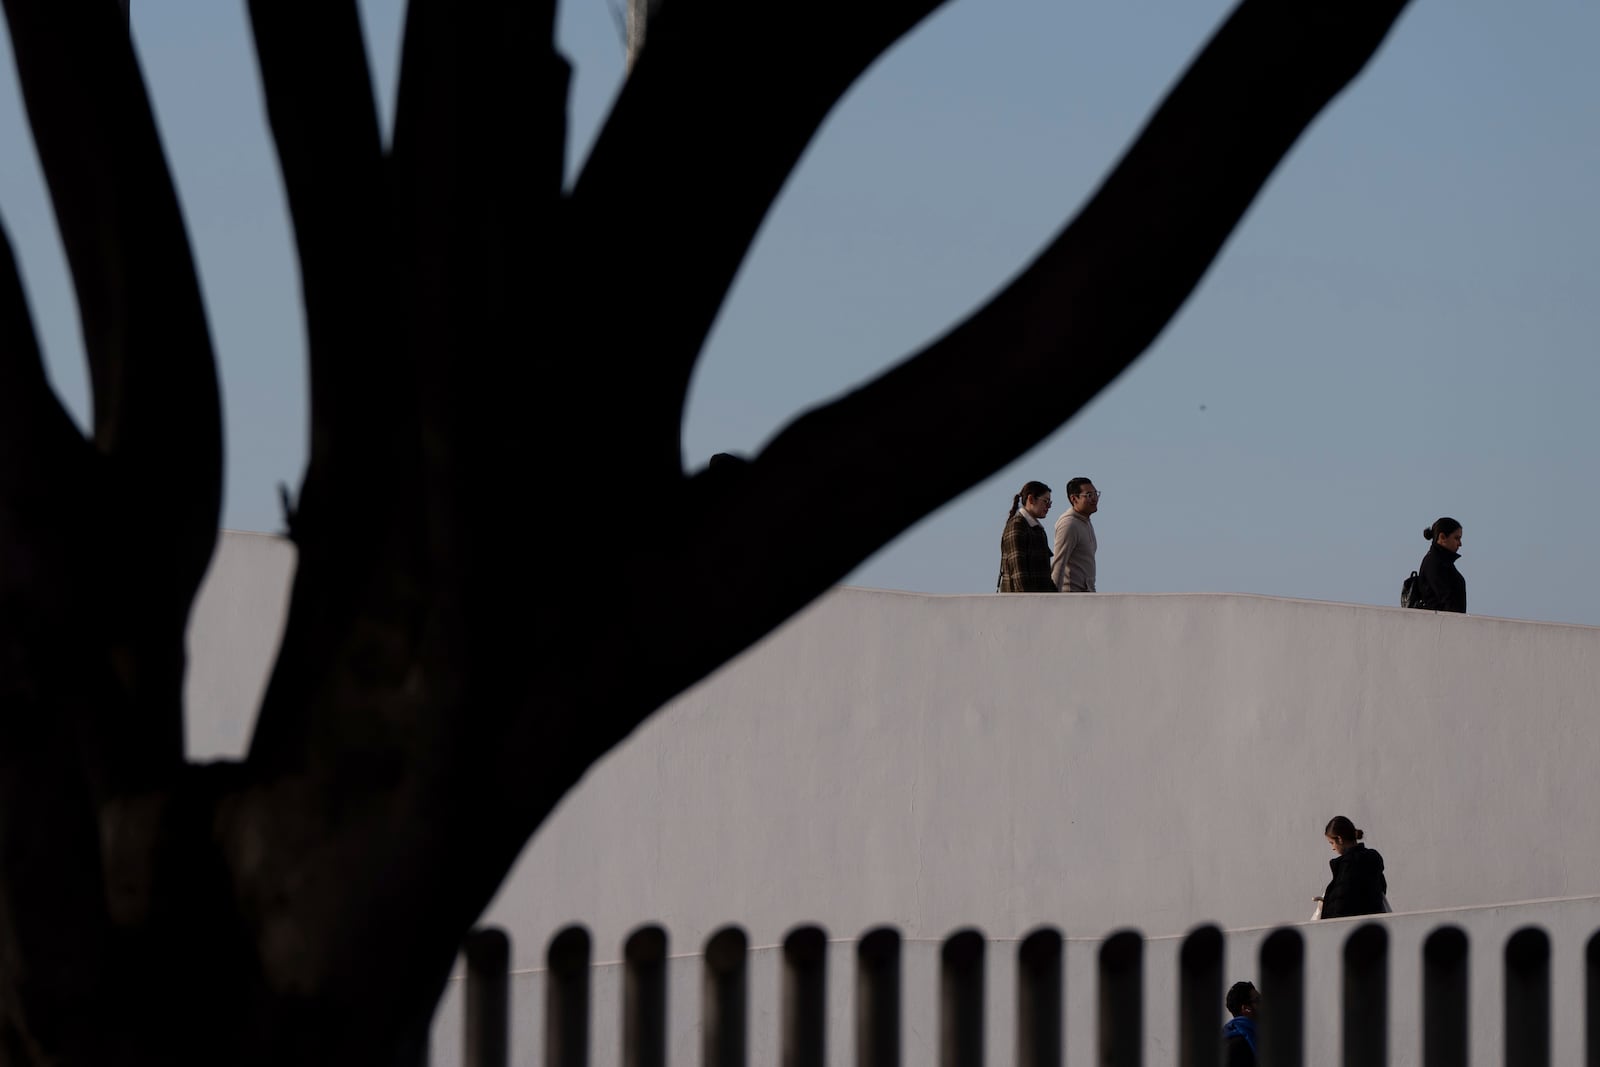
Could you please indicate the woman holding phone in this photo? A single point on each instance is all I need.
(1358, 886)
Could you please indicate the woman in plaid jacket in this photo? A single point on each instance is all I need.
(1024, 546)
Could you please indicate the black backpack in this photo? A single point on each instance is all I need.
(1412, 593)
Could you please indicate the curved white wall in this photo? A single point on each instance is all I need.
(1087, 761)
(1092, 762)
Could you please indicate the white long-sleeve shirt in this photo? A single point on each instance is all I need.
(1072, 568)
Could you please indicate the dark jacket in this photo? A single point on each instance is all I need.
(1025, 558)
(1358, 884)
(1443, 588)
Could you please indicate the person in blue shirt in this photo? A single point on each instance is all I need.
(1239, 1033)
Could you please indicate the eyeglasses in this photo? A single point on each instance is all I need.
(1095, 493)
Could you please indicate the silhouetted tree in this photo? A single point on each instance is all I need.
(474, 384)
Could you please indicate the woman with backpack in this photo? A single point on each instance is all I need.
(1443, 587)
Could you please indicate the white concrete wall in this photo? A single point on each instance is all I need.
(1154, 761)
(1086, 761)
(233, 636)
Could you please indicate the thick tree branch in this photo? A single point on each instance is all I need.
(392, 671)
(47, 470)
(156, 410)
(33, 424)
(52, 916)
(153, 500)
(461, 240)
(711, 121)
(55, 962)
(324, 122)
(1097, 296)
(479, 145)
(479, 139)
(871, 463)
(363, 424)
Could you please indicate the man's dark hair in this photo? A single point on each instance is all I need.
(1075, 486)
(1238, 994)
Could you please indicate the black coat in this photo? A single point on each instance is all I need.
(1358, 885)
(1443, 588)
(1236, 1053)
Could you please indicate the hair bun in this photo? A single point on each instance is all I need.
(1360, 833)
(1427, 535)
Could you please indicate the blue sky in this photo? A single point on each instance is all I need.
(1403, 326)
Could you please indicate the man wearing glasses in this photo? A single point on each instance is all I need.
(1073, 565)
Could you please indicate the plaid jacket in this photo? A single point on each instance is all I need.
(1025, 558)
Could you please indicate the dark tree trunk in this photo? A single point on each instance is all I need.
(432, 699)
